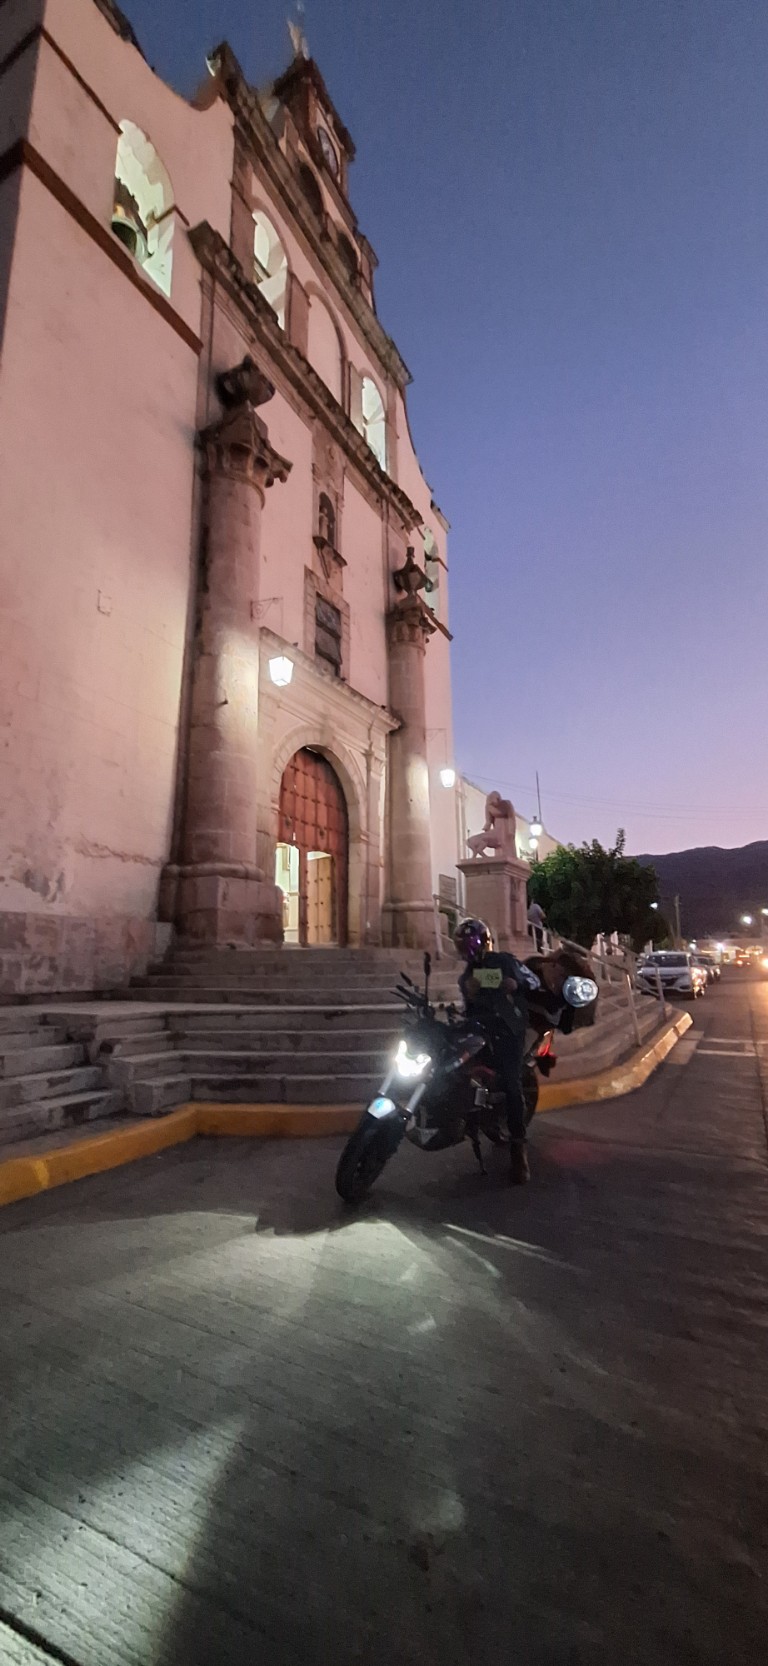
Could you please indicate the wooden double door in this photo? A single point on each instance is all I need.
(313, 827)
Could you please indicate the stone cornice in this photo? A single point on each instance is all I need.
(258, 135)
(217, 258)
(335, 691)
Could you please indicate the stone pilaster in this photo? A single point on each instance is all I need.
(221, 895)
(409, 910)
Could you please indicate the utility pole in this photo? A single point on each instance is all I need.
(678, 932)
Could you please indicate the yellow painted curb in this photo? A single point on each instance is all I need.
(275, 1122)
(22, 1177)
(617, 1079)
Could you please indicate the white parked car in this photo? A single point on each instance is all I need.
(677, 970)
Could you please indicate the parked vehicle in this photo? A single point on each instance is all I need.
(709, 963)
(441, 1087)
(677, 971)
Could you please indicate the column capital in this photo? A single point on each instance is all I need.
(410, 623)
(238, 447)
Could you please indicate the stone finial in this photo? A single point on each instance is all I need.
(244, 384)
(410, 578)
(498, 834)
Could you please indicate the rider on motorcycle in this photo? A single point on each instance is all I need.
(494, 987)
(504, 995)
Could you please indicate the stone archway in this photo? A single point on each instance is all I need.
(312, 859)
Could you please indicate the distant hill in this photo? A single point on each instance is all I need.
(715, 886)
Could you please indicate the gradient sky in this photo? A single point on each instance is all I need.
(569, 200)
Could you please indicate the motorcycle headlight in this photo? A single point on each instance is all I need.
(579, 992)
(410, 1065)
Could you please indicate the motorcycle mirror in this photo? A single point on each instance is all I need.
(579, 992)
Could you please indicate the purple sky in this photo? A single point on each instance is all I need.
(569, 199)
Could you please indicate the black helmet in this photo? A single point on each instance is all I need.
(473, 939)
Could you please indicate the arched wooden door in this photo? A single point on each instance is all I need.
(313, 819)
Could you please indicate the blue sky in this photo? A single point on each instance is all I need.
(569, 200)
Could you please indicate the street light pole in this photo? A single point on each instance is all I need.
(679, 935)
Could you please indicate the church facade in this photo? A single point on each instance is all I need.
(225, 700)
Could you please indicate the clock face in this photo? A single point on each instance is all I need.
(330, 158)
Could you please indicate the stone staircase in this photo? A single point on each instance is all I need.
(48, 1081)
(309, 1026)
(610, 1039)
(266, 977)
(301, 1027)
(242, 1027)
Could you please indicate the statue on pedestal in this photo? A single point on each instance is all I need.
(498, 835)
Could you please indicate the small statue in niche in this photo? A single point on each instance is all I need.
(498, 835)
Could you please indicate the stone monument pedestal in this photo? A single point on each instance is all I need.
(496, 891)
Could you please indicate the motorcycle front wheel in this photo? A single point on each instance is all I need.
(362, 1160)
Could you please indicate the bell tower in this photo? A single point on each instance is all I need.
(302, 90)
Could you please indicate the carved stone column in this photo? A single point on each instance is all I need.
(409, 909)
(222, 896)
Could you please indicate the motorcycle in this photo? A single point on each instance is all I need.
(440, 1089)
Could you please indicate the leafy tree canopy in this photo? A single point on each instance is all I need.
(586, 889)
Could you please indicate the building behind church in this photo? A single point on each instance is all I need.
(225, 700)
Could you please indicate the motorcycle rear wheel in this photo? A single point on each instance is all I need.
(530, 1093)
(361, 1162)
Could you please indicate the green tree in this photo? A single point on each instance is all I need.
(586, 889)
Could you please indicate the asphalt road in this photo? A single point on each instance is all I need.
(469, 1425)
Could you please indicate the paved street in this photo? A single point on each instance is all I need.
(470, 1425)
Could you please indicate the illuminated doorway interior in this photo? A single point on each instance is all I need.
(287, 877)
(312, 857)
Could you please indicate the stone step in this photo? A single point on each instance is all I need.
(288, 977)
(216, 995)
(315, 994)
(280, 1063)
(43, 1035)
(27, 1061)
(107, 1028)
(16, 1020)
(269, 1088)
(254, 1020)
(223, 1062)
(131, 1046)
(289, 954)
(70, 1110)
(291, 1042)
(143, 1066)
(23, 1090)
(153, 1096)
(610, 1024)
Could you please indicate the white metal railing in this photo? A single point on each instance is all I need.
(543, 940)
